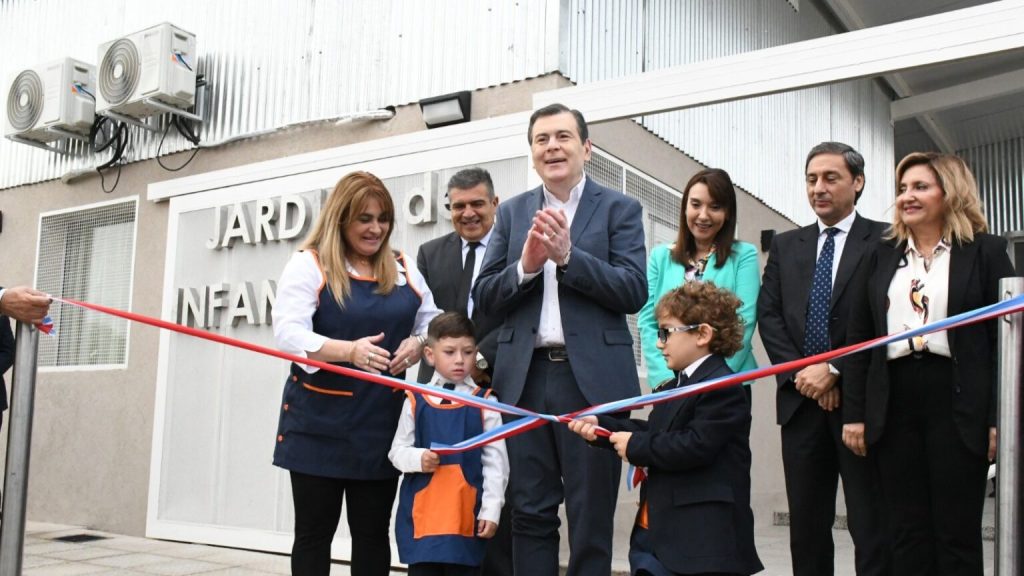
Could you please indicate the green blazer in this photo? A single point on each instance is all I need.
(740, 274)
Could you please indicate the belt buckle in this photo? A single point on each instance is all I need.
(558, 355)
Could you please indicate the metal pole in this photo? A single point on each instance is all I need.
(19, 442)
(1009, 559)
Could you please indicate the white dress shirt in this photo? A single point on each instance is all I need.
(843, 226)
(480, 250)
(298, 295)
(407, 458)
(549, 331)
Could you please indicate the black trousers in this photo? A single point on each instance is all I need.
(439, 569)
(933, 485)
(814, 458)
(318, 510)
(549, 464)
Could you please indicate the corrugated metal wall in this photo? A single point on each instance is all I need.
(761, 142)
(273, 63)
(999, 169)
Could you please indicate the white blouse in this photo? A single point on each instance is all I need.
(919, 295)
(298, 294)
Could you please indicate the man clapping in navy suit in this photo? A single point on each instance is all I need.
(564, 266)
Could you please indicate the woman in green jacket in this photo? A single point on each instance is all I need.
(706, 250)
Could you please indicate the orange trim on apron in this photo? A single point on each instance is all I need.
(327, 391)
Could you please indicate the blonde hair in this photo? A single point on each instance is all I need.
(962, 213)
(344, 205)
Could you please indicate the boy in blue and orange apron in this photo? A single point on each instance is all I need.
(448, 505)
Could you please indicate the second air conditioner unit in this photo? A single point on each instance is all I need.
(144, 73)
(51, 101)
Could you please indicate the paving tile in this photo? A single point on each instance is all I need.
(181, 567)
(236, 571)
(49, 547)
(271, 563)
(65, 569)
(188, 550)
(31, 561)
(85, 553)
(137, 544)
(233, 557)
(132, 560)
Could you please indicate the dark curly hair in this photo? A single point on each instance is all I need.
(705, 303)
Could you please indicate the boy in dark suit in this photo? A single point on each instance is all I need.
(695, 515)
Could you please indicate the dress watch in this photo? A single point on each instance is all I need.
(481, 362)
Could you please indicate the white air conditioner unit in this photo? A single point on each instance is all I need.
(46, 102)
(157, 65)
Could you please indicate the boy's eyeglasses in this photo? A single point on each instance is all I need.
(663, 333)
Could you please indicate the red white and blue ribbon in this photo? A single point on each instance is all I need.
(635, 476)
(435, 391)
(980, 315)
(530, 419)
(47, 327)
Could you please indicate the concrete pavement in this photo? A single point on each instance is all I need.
(117, 555)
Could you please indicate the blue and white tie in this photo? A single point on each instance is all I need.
(816, 333)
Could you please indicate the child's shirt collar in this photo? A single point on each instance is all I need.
(466, 385)
(689, 370)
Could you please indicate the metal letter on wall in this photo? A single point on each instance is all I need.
(420, 202)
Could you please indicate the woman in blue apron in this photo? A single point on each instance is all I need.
(346, 298)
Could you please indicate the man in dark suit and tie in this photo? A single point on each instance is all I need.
(564, 267)
(802, 310)
(450, 265)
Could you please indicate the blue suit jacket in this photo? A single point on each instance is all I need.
(740, 275)
(603, 282)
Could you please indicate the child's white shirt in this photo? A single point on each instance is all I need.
(407, 458)
(689, 370)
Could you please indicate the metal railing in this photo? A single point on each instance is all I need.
(1008, 498)
(19, 443)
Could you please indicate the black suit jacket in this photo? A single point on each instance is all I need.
(440, 263)
(697, 450)
(6, 356)
(975, 269)
(785, 290)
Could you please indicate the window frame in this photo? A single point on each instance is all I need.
(134, 201)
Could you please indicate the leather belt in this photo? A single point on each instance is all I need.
(553, 353)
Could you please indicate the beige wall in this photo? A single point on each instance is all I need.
(93, 429)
